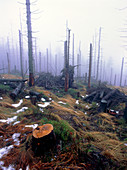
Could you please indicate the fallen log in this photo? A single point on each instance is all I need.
(16, 91)
(34, 93)
(43, 139)
(12, 80)
(109, 94)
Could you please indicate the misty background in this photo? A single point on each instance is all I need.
(50, 20)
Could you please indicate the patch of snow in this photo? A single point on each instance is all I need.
(5, 150)
(86, 95)
(77, 101)
(18, 104)
(87, 106)
(15, 138)
(1, 98)
(27, 97)
(22, 109)
(50, 98)
(117, 112)
(44, 105)
(9, 120)
(16, 122)
(33, 126)
(97, 104)
(61, 102)
(85, 113)
(41, 110)
(27, 168)
(11, 167)
(42, 99)
(82, 96)
(125, 144)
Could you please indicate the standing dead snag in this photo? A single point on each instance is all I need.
(43, 139)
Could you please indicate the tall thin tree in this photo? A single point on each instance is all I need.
(98, 60)
(30, 47)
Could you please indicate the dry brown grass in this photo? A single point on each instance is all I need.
(10, 76)
(109, 144)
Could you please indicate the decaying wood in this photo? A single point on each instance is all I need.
(12, 80)
(34, 93)
(16, 91)
(43, 139)
(106, 97)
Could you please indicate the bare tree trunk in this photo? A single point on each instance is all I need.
(121, 71)
(47, 60)
(30, 50)
(90, 66)
(21, 61)
(40, 62)
(8, 60)
(73, 52)
(98, 54)
(66, 67)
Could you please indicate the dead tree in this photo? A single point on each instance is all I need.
(21, 61)
(30, 50)
(90, 66)
(121, 71)
(66, 67)
(8, 60)
(98, 60)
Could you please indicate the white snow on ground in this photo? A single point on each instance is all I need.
(82, 96)
(9, 120)
(43, 100)
(77, 101)
(22, 109)
(27, 97)
(11, 167)
(33, 126)
(16, 123)
(5, 150)
(41, 110)
(61, 102)
(44, 105)
(18, 104)
(15, 138)
(1, 98)
(87, 106)
(125, 144)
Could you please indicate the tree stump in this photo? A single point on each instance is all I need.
(43, 139)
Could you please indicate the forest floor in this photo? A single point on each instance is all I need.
(84, 140)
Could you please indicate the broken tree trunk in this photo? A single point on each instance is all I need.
(43, 139)
(16, 91)
(12, 80)
(109, 94)
(34, 93)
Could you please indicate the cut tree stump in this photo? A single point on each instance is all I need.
(43, 139)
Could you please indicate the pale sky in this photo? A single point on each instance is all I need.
(84, 17)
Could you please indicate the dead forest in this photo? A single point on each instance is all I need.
(67, 119)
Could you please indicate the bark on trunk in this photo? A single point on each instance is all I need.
(43, 139)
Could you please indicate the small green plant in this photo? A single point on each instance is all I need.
(4, 88)
(62, 129)
(73, 93)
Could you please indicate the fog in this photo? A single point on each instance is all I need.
(50, 19)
